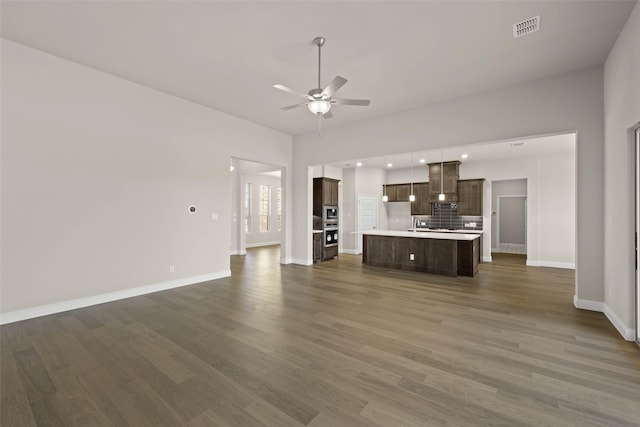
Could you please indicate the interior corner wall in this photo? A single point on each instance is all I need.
(97, 177)
(622, 112)
(557, 104)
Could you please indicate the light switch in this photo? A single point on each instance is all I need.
(214, 216)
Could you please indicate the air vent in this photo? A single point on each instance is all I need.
(517, 144)
(525, 27)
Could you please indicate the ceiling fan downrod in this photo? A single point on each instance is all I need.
(319, 41)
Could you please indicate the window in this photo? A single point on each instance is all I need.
(247, 207)
(279, 208)
(265, 208)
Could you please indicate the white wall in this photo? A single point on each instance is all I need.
(558, 104)
(550, 204)
(255, 237)
(359, 181)
(349, 210)
(621, 111)
(97, 175)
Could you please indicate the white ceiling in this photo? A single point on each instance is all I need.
(538, 146)
(401, 55)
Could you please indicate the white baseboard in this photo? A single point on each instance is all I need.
(302, 261)
(238, 252)
(537, 263)
(586, 304)
(285, 261)
(350, 251)
(59, 307)
(487, 259)
(257, 245)
(628, 334)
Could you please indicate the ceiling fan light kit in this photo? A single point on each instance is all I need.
(319, 101)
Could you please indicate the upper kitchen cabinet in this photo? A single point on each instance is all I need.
(391, 190)
(421, 206)
(448, 173)
(397, 192)
(402, 192)
(325, 193)
(470, 197)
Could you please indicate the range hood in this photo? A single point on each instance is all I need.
(445, 175)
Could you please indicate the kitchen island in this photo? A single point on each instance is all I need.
(448, 254)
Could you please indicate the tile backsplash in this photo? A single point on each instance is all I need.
(445, 215)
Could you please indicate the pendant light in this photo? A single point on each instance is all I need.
(441, 196)
(385, 198)
(412, 197)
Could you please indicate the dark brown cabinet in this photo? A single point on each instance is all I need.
(391, 190)
(330, 192)
(470, 197)
(422, 205)
(443, 178)
(397, 192)
(402, 192)
(330, 252)
(317, 247)
(325, 193)
(433, 256)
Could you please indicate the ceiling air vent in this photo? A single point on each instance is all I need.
(525, 27)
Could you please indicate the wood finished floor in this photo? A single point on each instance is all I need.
(335, 344)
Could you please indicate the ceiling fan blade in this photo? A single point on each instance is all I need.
(334, 85)
(293, 106)
(286, 89)
(327, 115)
(361, 102)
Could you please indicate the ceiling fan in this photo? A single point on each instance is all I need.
(318, 100)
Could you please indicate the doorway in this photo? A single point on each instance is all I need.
(367, 216)
(509, 216)
(511, 234)
(257, 203)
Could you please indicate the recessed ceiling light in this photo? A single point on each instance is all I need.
(423, 160)
(359, 164)
(464, 156)
(389, 165)
(231, 168)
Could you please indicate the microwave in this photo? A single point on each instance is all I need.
(330, 214)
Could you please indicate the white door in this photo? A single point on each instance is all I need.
(367, 216)
(512, 224)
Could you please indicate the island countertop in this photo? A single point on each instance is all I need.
(422, 234)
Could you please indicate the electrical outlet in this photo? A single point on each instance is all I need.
(172, 269)
(411, 257)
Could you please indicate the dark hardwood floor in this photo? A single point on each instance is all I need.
(334, 344)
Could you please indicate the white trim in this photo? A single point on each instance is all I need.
(554, 264)
(586, 304)
(238, 252)
(59, 307)
(285, 261)
(256, 245)
(487, 259)
(301, 261)
(350, 251)
(628, 334)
